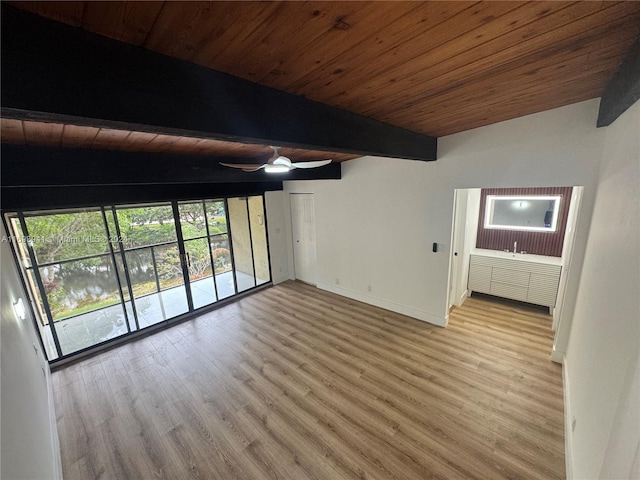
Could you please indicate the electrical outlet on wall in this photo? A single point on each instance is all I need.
(369, 288)
(337, 281)
(573, 425)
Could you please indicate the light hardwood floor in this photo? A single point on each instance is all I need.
(296, 383)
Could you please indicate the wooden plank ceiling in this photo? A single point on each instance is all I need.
(432, 67)
(25, 132)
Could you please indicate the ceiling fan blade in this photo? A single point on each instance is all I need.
(246, 167)
(317, 163)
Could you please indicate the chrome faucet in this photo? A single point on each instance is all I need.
(515, 247)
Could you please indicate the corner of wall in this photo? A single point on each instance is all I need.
(557, 356)
(55, 440)
(568, 418)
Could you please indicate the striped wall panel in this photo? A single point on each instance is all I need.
(537, 243)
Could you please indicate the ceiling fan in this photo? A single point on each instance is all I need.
(276, 164)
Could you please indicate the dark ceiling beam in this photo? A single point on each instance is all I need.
(55, 72)
(51, 198)
(623, 90)
(28, 166)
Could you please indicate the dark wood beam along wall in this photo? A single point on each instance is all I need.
(49, 177)
(623, 90)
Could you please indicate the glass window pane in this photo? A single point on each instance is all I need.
(84, 301)
(221, 254)
(142, 226)
(141, 272)
(241, 243)
(171, 301)
(259, 240)
(192, 220)
(200, 272)
(216, 216)
(65, 236)
(79, 286)
(169, 267)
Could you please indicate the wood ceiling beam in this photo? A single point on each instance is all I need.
(59, 73)
(623, 90)
(28, 166)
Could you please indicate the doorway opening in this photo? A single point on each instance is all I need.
(471, 236)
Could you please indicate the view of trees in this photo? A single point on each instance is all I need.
(78, 272)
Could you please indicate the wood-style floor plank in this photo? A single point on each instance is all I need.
(296, 383)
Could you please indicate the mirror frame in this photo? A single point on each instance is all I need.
(489, 208)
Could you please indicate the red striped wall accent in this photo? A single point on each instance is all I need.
(538, 243)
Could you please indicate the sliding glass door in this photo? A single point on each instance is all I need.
(150, 256)
(193, 224)
(100, 273)
(74, 271)
(249, 239)
(220, 248)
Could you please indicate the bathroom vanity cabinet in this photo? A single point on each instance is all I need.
(528, 278)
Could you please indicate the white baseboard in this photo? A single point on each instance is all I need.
(557, 357)
(280, 279)
(462, 298)
(386, 304)
(53, 425)
(568, 418)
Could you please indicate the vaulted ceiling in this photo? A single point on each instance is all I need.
(434, 68)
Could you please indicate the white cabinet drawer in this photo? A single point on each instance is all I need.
(507, 290)
(479, 278)
(525, 281)
(514, 277)
(543, 289)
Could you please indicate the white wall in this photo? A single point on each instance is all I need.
(278, 242)
(602, 356)
(376, 225)
(29, 448)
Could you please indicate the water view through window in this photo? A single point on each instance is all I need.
(101, 273)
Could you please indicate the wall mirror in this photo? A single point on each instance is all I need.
(534, 213)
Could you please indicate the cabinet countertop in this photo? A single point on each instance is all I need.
(521, 257)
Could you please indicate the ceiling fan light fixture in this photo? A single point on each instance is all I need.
(277, 164)
(282, 161)
(276, 168)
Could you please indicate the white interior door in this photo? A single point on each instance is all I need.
(303, 229)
